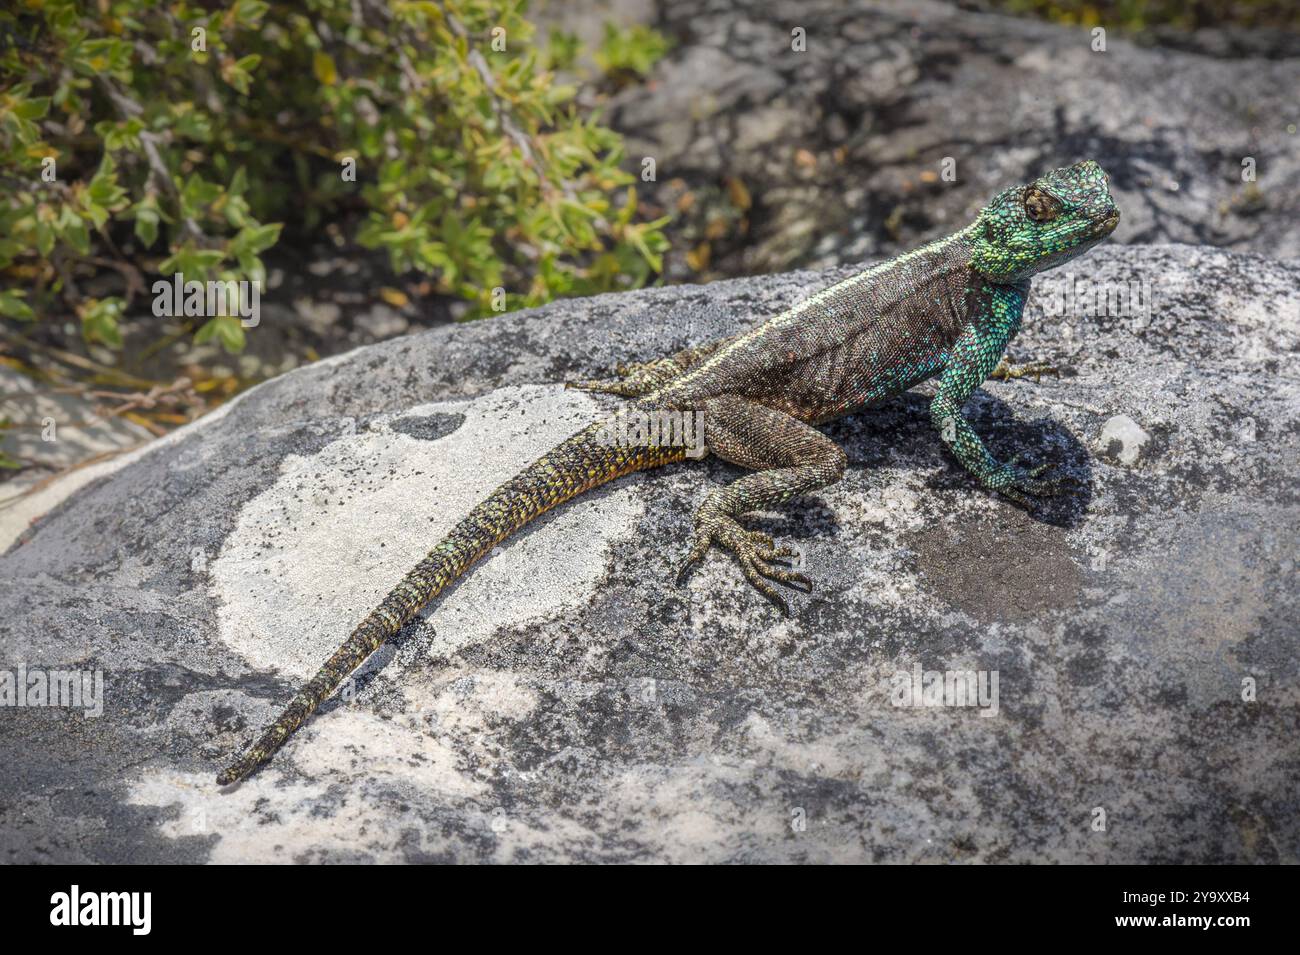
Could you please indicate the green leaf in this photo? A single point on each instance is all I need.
(322, 67)
(13, 306)
(99, 321)
(146, 220)
(254, 239)
(44, 239)
(78, 236)
(194, 264)
(198, 194)
(249, 12)
(32, 109)
(225, 330)
(104, 189)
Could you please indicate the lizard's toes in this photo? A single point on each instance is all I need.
(611, 387)
(701, 540)
(1019, 484)
(1024, 490)
(754, 551)
(1033, 482)
(767, 549)
(750, 570)
(1020, 498)
(784, 575)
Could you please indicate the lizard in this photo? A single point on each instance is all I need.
(945, 310)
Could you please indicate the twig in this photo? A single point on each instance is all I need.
(78, 361)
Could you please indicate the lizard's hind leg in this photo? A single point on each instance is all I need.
(791, 458)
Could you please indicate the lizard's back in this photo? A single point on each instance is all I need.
(860, 341)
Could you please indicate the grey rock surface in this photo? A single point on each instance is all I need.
(567, 702)
(840, 148)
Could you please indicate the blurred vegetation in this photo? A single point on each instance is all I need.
(1145, 14)
(626, 56)
(192, 137)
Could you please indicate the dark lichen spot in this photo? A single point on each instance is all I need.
(1005, 569)
(429, 427)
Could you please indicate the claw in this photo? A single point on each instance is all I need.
(689, 563)
(1019, 484)
(767, 549)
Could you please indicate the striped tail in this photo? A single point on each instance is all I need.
(577, 464)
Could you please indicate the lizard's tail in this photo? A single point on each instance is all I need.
(580, 463)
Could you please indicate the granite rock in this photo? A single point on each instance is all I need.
(568, 702)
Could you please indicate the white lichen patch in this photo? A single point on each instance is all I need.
(351, 744)
(313, 553)
(310, 555)
(268, 819)
(471, 702)
(355, 761)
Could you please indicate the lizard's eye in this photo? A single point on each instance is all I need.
(1040, 207)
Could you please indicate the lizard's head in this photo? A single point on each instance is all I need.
(1030, 228)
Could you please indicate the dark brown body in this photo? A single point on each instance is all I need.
(859, 342)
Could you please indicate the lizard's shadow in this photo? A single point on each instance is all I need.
(899, 432)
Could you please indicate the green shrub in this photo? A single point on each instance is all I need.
(627, 55)
(150, 138)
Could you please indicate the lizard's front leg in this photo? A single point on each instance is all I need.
(973, 358)
(791, 458)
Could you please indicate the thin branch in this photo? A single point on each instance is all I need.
(78, 361)
(160, 177)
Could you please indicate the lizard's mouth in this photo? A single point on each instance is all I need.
(1107, 225)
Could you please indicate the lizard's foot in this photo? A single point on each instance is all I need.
(1018, 483)
(611, 386)
(1034, 369)
(755, 551)
(635, 379)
